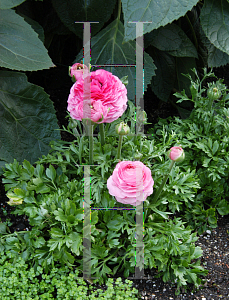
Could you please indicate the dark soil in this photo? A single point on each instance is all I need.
(214, 243)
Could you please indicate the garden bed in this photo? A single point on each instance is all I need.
(214, 242)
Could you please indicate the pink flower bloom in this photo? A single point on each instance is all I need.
(131, 182)
(176, 154)
(93, 110)
(78, 70)
(106, 89)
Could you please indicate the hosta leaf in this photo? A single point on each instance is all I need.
(214, 19)
(70, 11)
(28, 121)
(5, 4)
(163, 82)
(20, 47)
(217, 58)
(171, 38)
(159, 12)
(107, 48)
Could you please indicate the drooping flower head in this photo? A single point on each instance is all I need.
(108, 98)
(131, 182)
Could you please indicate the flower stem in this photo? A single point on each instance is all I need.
(119, 147)
(90, 131)
(154, 200)
(119, 9)
(102, 133)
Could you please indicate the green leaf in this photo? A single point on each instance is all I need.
(51, 173)
(223, 207)
(116, 223)
(107, 48)
(161, 213)
(172, 39)
(70, 11)
(28, 120)
(2, 228)
(60, 215)
(160, 13)
(76, 241)
(214, 19)
(42, 189)
(56, 233)
(215, 147)
(6, 4)
(163, 82)
(20, 47)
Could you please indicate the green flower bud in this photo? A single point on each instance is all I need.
(122, 129)
(213, 93)
(142, 117)
(124, 80)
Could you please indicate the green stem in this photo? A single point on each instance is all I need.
(119, 147)
(211, 116)
(90, 133)
(14, 233)
(154, 200)
(102, 133)
(119, 9)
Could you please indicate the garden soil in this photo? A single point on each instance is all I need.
(214, 242)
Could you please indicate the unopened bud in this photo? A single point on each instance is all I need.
(77, 70)
(122, 129)
(213, 93)
(176, 154)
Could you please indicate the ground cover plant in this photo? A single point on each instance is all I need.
(18, 281)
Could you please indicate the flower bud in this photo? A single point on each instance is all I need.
(213, 93)
(77, 70)
(122, 129)
(138, 155)
(124, 80)
(176, 154)
(142, 117)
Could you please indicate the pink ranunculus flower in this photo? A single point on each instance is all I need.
(106, 88)
(131, 182)
(91, 109)
(78, 70)
(176, 153)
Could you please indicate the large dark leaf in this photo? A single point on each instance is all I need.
(20, 47)
(172, 39)
(107, 48)
(28, 121)
(184, 66)
(5, 4)
(216, 57)
(70, 11)
(163, 82)
(159, 12)
(214, 19)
